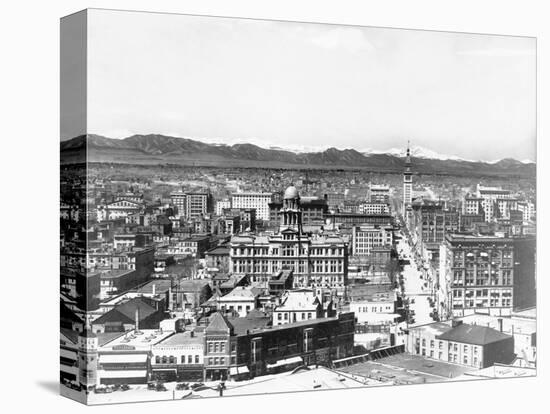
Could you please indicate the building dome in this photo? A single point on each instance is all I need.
(291, 193)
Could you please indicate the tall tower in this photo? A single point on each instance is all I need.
(291, 213)
(407, 183)
(87, 359)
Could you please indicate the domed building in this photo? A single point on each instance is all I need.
(291, 214)
(316, 261)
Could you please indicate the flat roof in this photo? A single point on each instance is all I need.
(408, 369)
(144, 338)
(182, 338)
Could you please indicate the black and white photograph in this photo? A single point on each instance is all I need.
(255, 206)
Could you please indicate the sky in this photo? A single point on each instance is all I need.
(309, 86)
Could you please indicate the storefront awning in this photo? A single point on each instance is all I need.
(288, 361)
(123, 374)
(122, 358)
(238, 370)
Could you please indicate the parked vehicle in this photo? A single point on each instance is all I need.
(161, 387)
(196, 385)
(182, 386)
(152, 385)
(103, 389)
(125, 387)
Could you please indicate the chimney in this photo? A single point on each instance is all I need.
(500, 324)
(154, 289)
(455, 323)
(137, 320)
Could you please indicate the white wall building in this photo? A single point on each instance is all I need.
(258, 201)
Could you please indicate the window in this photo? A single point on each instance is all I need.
(196, 359)
(432, 343)
(190, 359)
(157, 359)
(222, 347)
(465, 360)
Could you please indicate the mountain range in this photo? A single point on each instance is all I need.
(156, 149)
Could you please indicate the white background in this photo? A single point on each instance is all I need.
(29, 125)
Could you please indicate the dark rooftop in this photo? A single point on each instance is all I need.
(473, 334)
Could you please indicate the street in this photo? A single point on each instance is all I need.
(414, 289)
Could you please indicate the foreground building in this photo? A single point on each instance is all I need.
(459, 343)
(249, 347)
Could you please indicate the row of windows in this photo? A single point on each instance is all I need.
(284, 315)
(173, 360)
(216, 347)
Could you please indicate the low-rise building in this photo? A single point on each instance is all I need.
(179, 357)
(298, 305)
(240, 300)
(464, 344)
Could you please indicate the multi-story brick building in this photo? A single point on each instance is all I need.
(252, 347)
(476, 274)
(431, 221)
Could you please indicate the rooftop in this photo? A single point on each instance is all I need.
(182, 338)
(142, 339)
(298, 300)
(473, 334)
(240, 293)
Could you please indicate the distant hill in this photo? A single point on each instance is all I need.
(161, 149)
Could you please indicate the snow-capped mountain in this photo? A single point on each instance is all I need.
(417, 152)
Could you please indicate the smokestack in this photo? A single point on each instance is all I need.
(154, 289)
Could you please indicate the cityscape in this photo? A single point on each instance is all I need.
(186, 282)
(253, 207)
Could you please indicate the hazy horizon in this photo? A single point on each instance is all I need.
(308, 86)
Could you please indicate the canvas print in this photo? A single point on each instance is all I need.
(252, 206)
